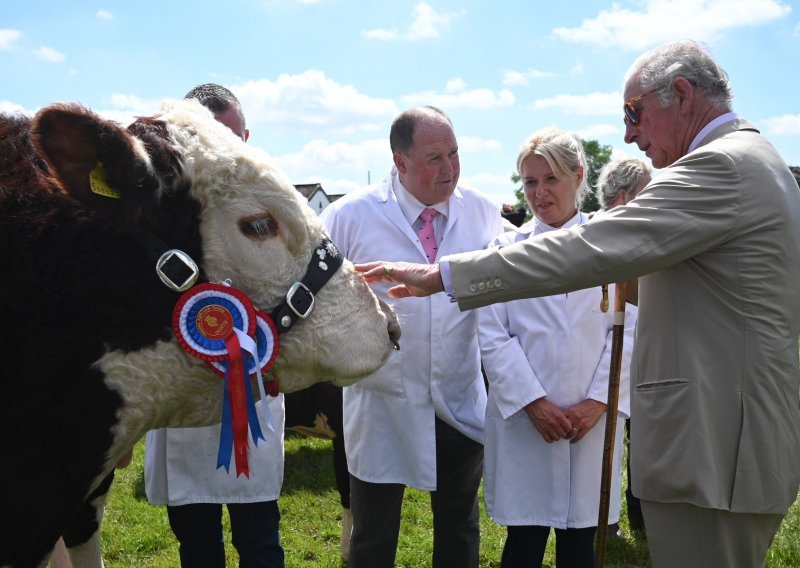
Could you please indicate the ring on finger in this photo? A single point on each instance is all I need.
(388, 269)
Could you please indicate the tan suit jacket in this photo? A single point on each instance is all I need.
(716, 239)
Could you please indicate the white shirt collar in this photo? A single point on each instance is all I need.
(721, 119)
(542, 227)
(410, 205)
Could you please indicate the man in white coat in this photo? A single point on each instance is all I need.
(418, 421)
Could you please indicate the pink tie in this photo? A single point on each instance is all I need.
(426, 234)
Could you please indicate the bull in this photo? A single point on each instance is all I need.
(90, 363)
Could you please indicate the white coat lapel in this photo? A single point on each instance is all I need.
(454, 209)
(391, 209)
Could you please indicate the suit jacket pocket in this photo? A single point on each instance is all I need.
(668, 439)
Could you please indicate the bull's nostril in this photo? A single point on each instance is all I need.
(394, 334)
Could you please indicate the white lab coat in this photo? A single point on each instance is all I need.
(559, 347)
(389, 427)
(180, 465)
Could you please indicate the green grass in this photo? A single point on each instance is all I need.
(136, 533)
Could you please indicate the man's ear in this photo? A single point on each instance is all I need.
(685, 92)
(400, 162)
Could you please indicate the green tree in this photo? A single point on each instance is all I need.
(597, 155)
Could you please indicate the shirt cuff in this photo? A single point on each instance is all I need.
(447, 279)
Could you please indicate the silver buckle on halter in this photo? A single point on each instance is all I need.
(177, 270)
(308, 296)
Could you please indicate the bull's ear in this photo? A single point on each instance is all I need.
(96, 160)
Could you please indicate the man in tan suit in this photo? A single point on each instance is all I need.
(715, 239)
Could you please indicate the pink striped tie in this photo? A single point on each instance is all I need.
(426, 234)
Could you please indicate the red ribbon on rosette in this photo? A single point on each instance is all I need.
(216, 323)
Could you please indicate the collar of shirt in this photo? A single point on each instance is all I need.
(721, 119)
(412, 207)
(540, 227)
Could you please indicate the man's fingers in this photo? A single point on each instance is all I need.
(400, 291)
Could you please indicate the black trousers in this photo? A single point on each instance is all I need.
(456, 523)
(254, 533)
(525, 546)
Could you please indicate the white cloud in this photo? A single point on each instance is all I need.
(458, 96)
(788, 124)
(312, 101)
(476, 98)
(455, 85)
(498, 187)
(340, 161)
(9, 107)
(427, 24)
(666, 20)
(476, 145)
(591, 104)
(8, 37)
(50, 54)
(594, 131)
(518, 78)
(104, 15)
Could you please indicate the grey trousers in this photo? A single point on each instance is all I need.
(688, 536)
(376, 509)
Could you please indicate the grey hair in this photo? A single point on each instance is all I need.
(659, 67)
(617, 176)
(563, 152)
(401, 134)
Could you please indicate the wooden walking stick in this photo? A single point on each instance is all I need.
(617, 339)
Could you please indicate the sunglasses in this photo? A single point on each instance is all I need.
(631, 112)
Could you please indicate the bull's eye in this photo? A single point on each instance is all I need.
(259, 228)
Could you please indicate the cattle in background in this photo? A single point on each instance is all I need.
(90, 363)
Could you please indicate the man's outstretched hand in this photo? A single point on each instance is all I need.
(412, 279)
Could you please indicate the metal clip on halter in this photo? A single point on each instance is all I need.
(300, 300)
(177, 270)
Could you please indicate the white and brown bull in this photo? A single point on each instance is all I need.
(89, 362)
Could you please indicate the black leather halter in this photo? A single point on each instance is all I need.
(299, 302)
(179, 272)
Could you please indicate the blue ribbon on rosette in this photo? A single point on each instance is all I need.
(216, 323)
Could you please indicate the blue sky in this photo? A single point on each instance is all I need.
(321, 80)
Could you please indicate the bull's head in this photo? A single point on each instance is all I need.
(187, 181)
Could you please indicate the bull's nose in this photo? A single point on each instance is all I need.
(392, 327)
(394, 333)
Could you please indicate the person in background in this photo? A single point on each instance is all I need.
(547, 361)
(418, 421)
(181, 463)
(715, 240)
(514, 215)
(620, 181)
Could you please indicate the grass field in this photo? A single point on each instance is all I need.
(137, 534)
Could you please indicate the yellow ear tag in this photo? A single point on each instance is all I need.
(98, 183)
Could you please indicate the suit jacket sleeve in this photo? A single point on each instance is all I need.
(691, 207)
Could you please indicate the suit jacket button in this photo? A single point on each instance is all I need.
(498, 282)
(490, 284)
(481, 286)
(473, 288)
